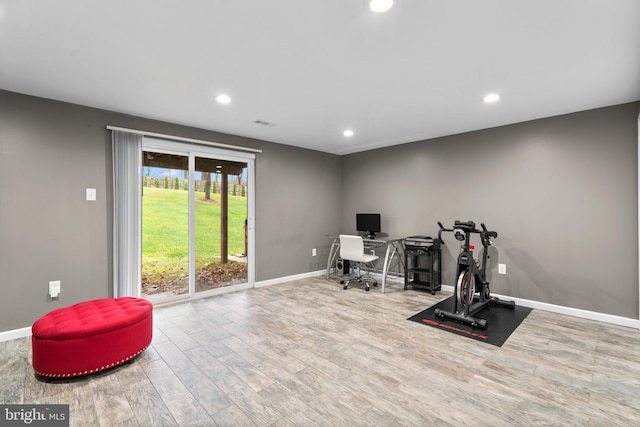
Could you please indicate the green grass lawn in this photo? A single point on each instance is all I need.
(165, 228)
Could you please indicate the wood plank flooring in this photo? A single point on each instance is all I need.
(308, 353)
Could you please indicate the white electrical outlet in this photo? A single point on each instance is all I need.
(313, 252)
(54, 288)
(502, 268)
(91, 194)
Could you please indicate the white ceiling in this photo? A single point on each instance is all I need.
(316, 68)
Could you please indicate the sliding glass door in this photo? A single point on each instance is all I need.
(197, 208)
(165, 225)
(220, 216)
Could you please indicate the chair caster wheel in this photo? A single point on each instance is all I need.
(342, 282)
(344, 287)
(366, 289)
(375, 285)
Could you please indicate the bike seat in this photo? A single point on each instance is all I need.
(466, 225)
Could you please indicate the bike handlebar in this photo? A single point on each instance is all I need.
(441, 230)
(470, 226)
(487, 234)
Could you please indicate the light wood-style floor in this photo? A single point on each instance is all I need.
(309, 353)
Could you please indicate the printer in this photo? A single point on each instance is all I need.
(422, 243)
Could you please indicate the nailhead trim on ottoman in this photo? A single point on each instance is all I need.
(91, 336)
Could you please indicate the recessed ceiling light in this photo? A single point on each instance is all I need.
(492, 97)
(223, 99)
(380, 6)
(348, 132)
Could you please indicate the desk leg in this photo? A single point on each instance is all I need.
(385, 265)
(332, 255)
(393, 249)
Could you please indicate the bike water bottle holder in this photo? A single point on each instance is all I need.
(463, 259)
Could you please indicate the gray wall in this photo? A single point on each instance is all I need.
(52, 233)
(561, 193)
(305, 206)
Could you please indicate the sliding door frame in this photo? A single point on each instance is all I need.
(192, 151)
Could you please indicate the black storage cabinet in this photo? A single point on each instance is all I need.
(423, 266)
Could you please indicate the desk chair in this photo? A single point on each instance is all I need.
(352, 250)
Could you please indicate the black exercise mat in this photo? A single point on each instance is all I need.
(501, 322)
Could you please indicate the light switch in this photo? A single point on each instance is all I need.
(502, 268)
(54, 288)
(91, 194)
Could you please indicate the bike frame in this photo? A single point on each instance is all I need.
(467, 301)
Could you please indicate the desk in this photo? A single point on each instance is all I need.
(394, 245)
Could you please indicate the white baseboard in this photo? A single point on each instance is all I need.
(285, 279)
(15, 334)
(570, 311)
(576, 312)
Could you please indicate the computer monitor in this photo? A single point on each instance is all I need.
(368, 223)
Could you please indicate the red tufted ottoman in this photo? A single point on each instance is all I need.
(91, 336)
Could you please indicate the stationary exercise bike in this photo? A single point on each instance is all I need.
(472, 292)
